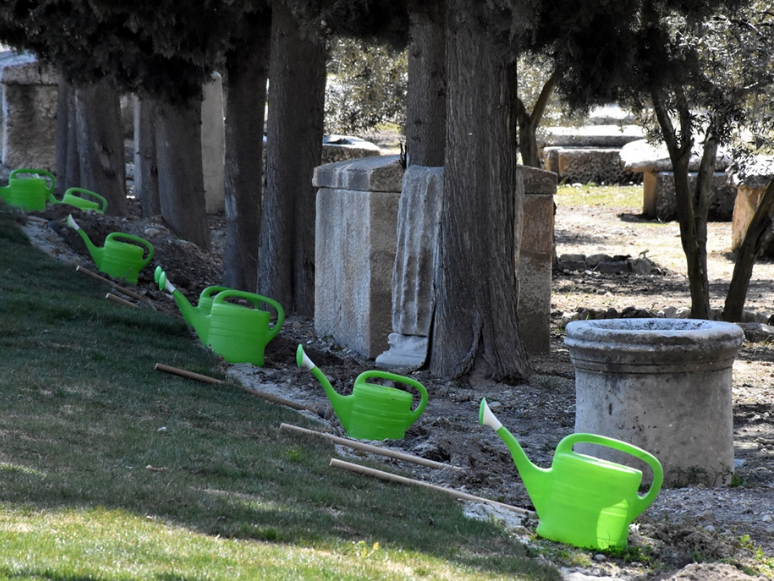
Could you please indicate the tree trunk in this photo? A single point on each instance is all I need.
(745, 258)
(247, 67)
(693, 226)
(181, 177)
(146, 171)
(294, 148)
(68, 165)
(426, 102)
(101, 144)
(529, 122)
(475, 325)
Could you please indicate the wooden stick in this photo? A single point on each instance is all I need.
(119, 301)
(37, 219)
(368, 448)
(403, 480)
(262, 394)
(188, 374)
(120, 289)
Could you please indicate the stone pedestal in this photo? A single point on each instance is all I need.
(663, 385)
(355, 240)
(750, 189)
(29, 98)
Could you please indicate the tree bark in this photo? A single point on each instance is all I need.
(181, 179)
(101, 144)
(247, 66)
(745, 258)
(426, 101)
(475, 324)
(693, 226)
(68, 174)
(146, 171)
(294, 148)
(529, 122)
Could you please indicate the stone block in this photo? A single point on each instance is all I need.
(344, 147)
(659, 199)
(642, 156)
(29, 101)
(355, 245)
(372, 174)
(750, 188)
(615, 136)
(598, 165)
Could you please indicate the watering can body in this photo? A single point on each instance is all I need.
(582, 500)
(119, 259)
(372, 411)
(83, 199)
(31, 192)
(199, 316)
(240, 334)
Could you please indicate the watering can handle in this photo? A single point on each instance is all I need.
(211, 290)
(658, 473)
(102, 201)
(255, 300)
(138, 240)
(39, 172)
(400, 379)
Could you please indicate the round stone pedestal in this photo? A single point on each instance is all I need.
(663, 385)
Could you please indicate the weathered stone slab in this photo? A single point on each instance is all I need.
(659, 198)
(593, 136)
(355, 241)
(535, 259)
(419, 216)
(344, 147)
(642, 156)
(29, 99)
(213, 145)
(587, 164)
(372, 174)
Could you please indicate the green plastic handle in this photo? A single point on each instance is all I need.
(138, 240)
(399, 379)
(97, 198)
(658, 472)
(210, 290)
(255, 300)
(37, 172)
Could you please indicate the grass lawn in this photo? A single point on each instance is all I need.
(111, 470)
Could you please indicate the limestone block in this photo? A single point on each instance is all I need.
(535, 259)
(615, 136)
(419, 217)
(750, 187)
(344, 147)
(213, 145)
(659, 200)
(356, 237)
(29, 99)
(372, 174)
(584, 165)
(642, 156)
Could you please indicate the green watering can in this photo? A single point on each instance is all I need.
(29, 193)
(96, 203)
(373, 411)
(117, 259)
(198, 317)
(240, 334)
(582, 500)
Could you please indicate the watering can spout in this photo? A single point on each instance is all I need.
(96, 252)
(341, 404)
(535, 479)
(190, 313)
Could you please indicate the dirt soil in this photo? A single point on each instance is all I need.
(688, 533)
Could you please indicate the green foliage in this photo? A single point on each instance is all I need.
(155, 48)
(367, 85)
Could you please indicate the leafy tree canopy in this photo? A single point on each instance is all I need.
(158, 48)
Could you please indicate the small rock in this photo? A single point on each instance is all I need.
(766, 518)
(599, 557)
